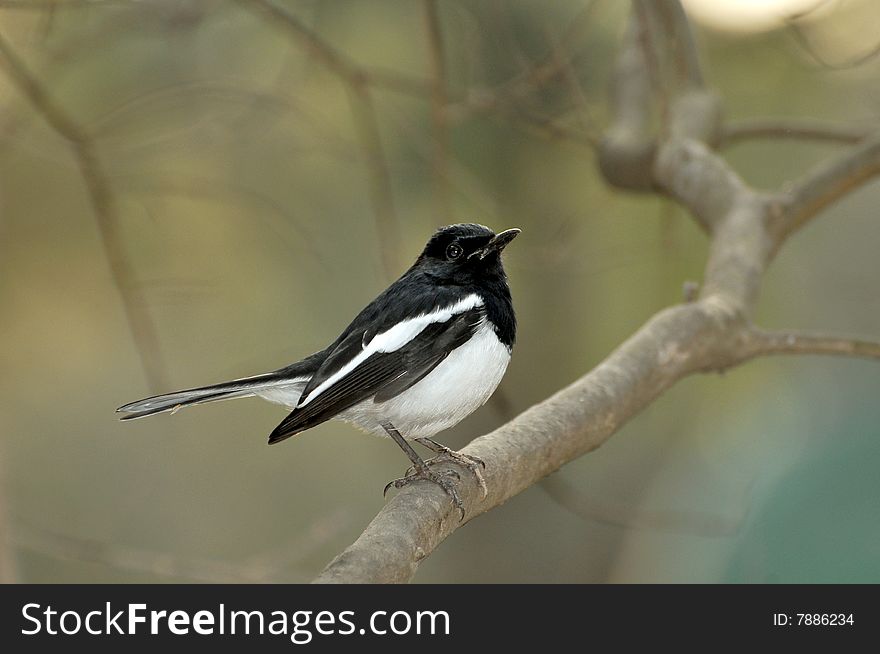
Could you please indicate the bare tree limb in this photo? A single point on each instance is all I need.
(357, 81)
(711, 332)
(366, 123)
(676, 342)
(678, 41)
(260, 568)
(440, 159)
(574, 87)
(803, 40)
(627, 149)
(505, 97)
(334, 60)
(827, 183)
(103, 204)
(689, 172)
(789, 128)
(760, 343)
(630, 516)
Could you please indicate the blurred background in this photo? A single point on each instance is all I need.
(195, 190)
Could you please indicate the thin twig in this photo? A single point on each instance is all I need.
(103, 203)
(827, 183)
(440, 160)
(381, 196)
(761, 343)
(514, 91)
(790, 128)
(584, 118)
(357, 82)
(259, 568)
(334, 60)
(628, 516)
(853, 62)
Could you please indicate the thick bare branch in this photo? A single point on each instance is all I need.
(627, 149)
(710, 333)
(103, 203)
(576, 420)
(688, 171)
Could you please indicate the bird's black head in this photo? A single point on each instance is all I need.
(463, 253)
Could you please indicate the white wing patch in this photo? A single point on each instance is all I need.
(394, 339)
(453, 390)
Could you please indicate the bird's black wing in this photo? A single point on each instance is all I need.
(382, 375)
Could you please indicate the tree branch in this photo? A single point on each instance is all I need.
(789, 128)
(440, 159)
(760, 343)
(357, 81)
(627, 149)
(827, 183)
(366, 123)
(678, 41)
(103, 203)
(628, 516)
(506, 97)
(260, 568)
(334, 60)
(676, 342)
(710, 333)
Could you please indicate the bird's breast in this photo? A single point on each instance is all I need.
(457, 387)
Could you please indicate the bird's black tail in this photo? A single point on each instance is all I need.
(226, 391)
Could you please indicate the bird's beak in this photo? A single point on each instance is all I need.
(498, 243)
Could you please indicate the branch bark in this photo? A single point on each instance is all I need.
(711, 333)
(789, 128)
(827, 183)
(785, 342)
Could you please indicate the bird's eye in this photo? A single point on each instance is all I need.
(454, 251)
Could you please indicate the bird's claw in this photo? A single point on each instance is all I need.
(442, 480)
(472, 463)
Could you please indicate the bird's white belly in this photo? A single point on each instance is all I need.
(457, 387)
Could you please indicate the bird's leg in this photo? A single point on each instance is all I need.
(472, 463)
(420, 470)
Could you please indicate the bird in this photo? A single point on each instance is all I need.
(424, 354)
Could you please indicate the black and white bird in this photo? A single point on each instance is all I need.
(426, 353)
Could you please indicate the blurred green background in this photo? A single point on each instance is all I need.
(246, 203)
